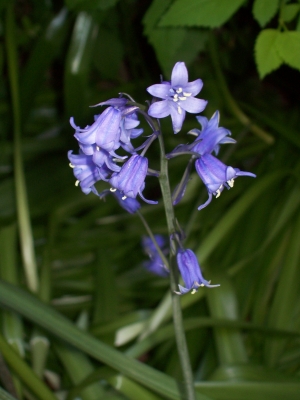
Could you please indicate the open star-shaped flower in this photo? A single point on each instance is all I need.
(178, 97)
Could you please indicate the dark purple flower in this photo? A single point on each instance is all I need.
(86, 172)
(131, 179)
(190, 271)
(155, 264)
(178, 97)
(216, 175)
(104, 132)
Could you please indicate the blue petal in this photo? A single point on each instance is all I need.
(159, 109)
(161, 90)
(179, 76)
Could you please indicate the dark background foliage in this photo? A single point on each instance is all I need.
(59, 58)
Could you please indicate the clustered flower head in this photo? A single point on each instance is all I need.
(98, 161)
(115, 128)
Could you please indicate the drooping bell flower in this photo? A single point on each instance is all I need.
(129, 204)
(131, 178)
(216, 176)
(86, 172)
(155, 265)
(190, 271)
(104, 132)
(178, 97)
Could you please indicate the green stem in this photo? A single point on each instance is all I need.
(24, 372)
(26, 236)
(176, 306)
(230, 101)
(165, 261)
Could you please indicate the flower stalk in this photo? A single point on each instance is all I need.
(176, 306)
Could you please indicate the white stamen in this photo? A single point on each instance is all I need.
(218, 193)
(175, 98)
(124, 197)
(187, 94)
(182, 98)
(97, 148)
(77, 183)
(202, 285)
(179, 110)
(112, 190)
(231, 182)
(71, 165)
(179, 90)
(193, 291)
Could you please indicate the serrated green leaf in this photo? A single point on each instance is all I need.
(289, 12)
(266, 54)
(264, 10)
(288, 47)
(209, 13)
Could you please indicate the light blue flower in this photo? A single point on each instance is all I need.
(178, 97)
(87, 172)
(131, 178)
(104, 132)
(216, 175)
(211, 136)
(190, 271)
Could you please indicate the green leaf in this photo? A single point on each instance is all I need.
(210, 13)
(88, 5)
(173, 44)
(250, 390)
(264, 10)
(266, 54)
(5, 396)
(289, 12)
(288, 47)
(52, 321)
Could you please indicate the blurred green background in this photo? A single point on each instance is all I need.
(80, 316)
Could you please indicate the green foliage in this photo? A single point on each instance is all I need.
(266, 54)
(208, 13)
(274, 48)
(265, 10)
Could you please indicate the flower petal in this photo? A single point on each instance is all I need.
(177, 118)
(193, 105)
(179, 76)
(161, 90)
(159, 109)
(193, 87)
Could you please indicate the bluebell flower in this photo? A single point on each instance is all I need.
(155, 264)
(178, 97)
(216, 176)
(129, 131)
(86, 172)
(190, 271)
(104, 132)
(207, 140)
(102, 157)
(129, 204)
(211, 135)
(131, 178)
